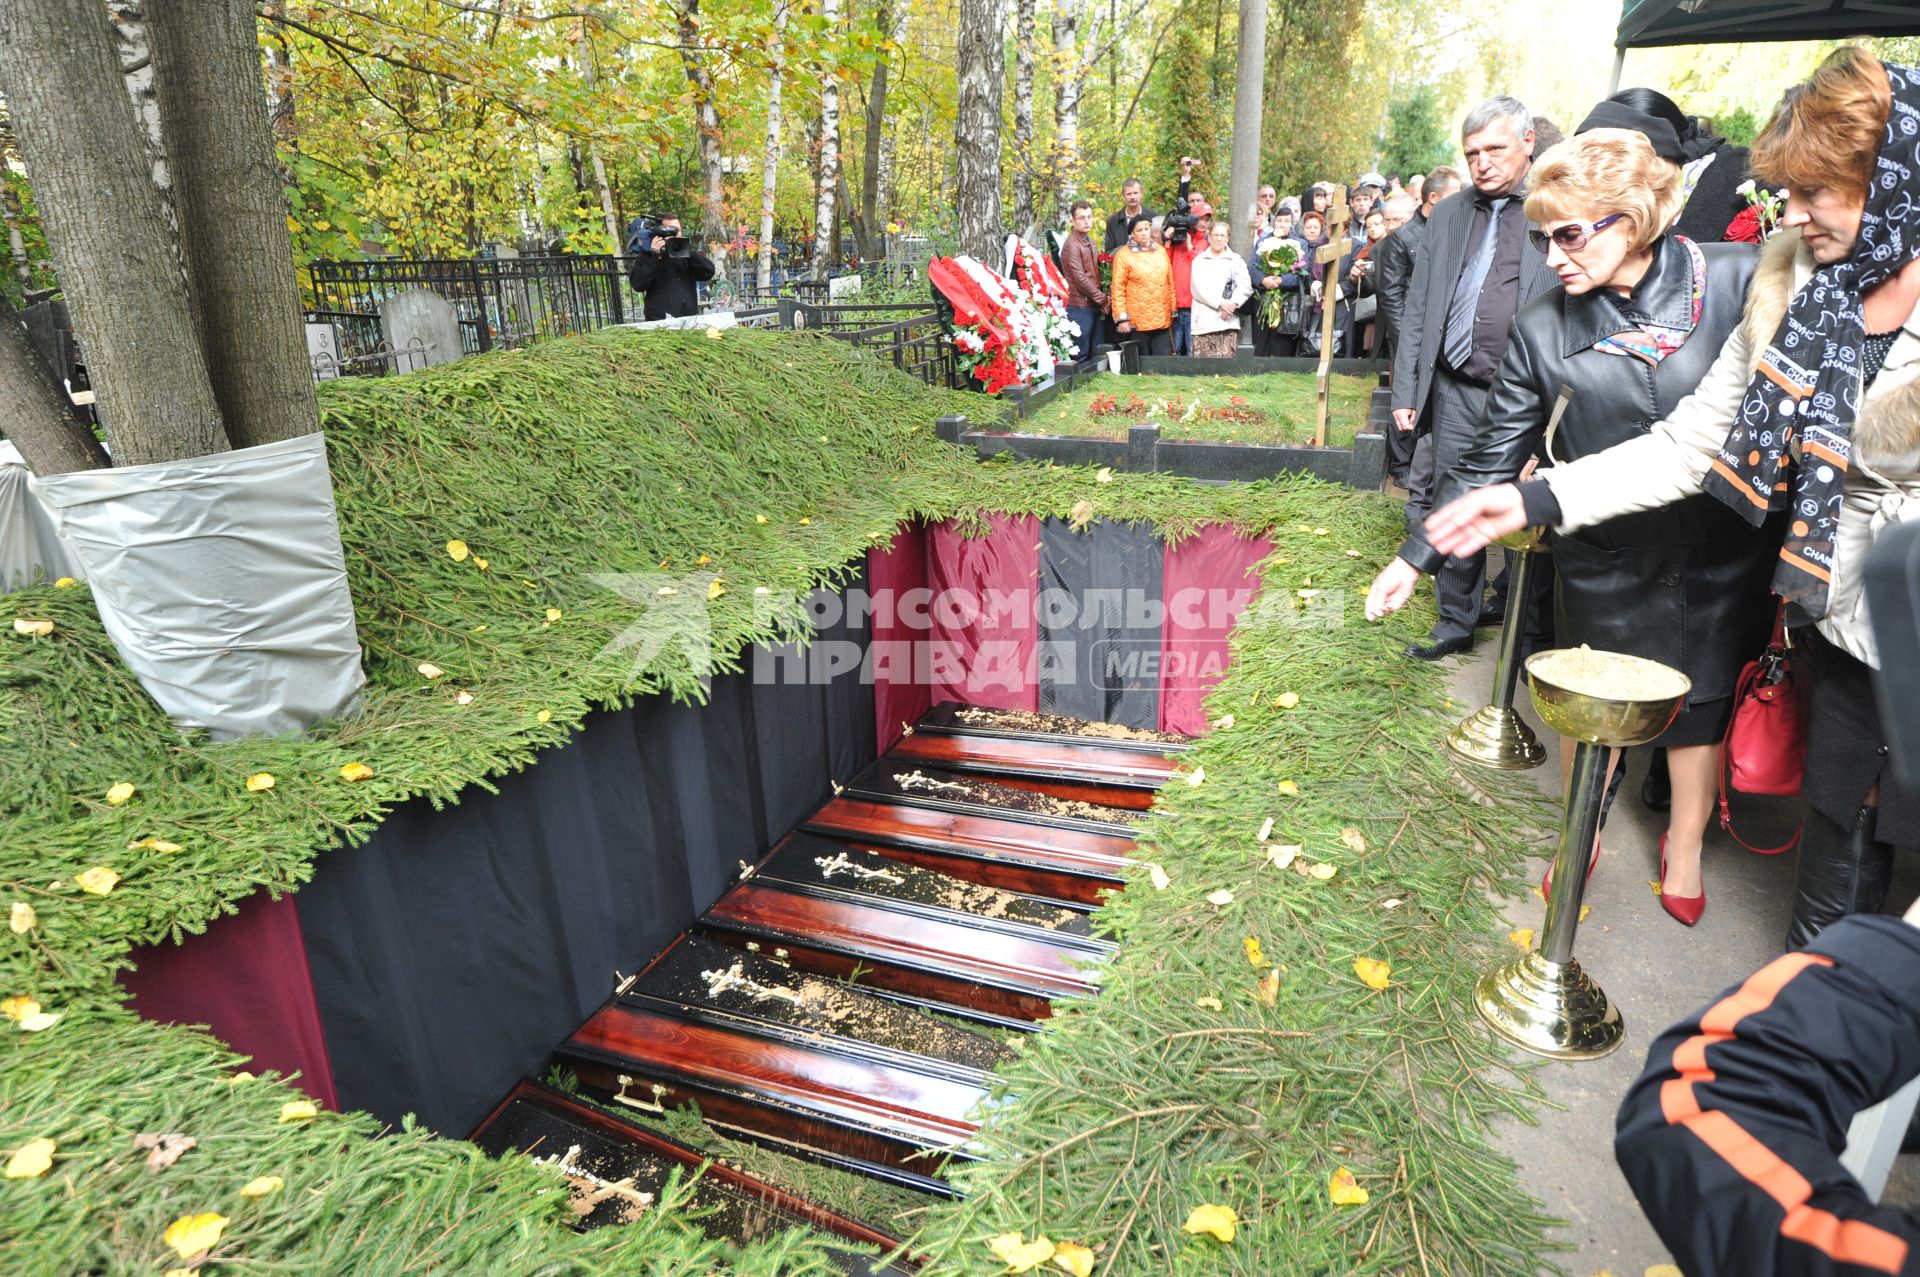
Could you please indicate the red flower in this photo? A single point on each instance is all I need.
(1745, 228)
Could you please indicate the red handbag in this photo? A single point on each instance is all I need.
(1765, 752)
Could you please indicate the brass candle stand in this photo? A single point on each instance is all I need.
(1543, 1002)
(1495, 735)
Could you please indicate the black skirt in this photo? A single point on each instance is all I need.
(1847, 744)
(1699, 723)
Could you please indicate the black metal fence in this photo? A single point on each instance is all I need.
(511, 301)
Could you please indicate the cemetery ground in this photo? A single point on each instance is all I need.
(1258, 408)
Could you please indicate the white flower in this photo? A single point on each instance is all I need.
(1745, 188)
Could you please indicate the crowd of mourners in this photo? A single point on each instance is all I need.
(1733, 340)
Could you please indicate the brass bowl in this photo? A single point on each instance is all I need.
(1602, 720)
(1525, 539)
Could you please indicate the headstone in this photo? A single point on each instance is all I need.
(422, 328)
(841, 287)
(323, 351)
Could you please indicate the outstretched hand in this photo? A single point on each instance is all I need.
(1470, 524)
(1391, 589)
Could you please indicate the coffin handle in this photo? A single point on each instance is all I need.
(645, 1106)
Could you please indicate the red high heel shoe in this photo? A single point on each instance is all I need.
(1546, 880)
(1686, 909)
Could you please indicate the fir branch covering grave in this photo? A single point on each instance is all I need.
(475, 502)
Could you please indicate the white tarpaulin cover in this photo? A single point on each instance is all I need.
(30, 549)
(222, 582)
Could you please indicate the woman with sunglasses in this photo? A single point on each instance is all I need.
(1808, 427)
(1638, 319)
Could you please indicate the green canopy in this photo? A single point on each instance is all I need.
(1648, 23)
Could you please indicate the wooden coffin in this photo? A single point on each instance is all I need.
(984, 832)
(956, 946)
(617, 1169)
(790, 1058)
(1047, 753)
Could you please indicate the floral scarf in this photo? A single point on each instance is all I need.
(1652, 343)
(1792, 441)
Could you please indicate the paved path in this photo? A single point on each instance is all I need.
(1656, 971)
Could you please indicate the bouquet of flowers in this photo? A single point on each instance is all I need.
(1760, 219)
(1104, 262)
(1279, 257)
(1002, 337)
(1045, 290)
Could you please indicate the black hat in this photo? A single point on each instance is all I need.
(1617, 115)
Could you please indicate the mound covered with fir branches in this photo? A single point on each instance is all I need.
(1237, 1057)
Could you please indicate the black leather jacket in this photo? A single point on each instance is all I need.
(1685, 585)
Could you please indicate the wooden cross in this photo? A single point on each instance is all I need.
(1330, 253)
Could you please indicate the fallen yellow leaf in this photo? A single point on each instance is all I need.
(703, 560)
(22, 918)
(1319, 532)
(806, 523)
(242, 1076)
(31, 1160)
(191, 1235)
(64, 583)
(1221, 898)
(1324, 871)
(1080, 515)
(117, 794)
(1354, 839)
(1255, 958)
(428, 670)
(1288, 789)
(40, 1020)
(1069, 1257)
(259, 782)
(1197, 777)
(1267, 992)
(1212, 1221)
(544, 716)
(355, 771)
(713, 334)
(1019, 1254)
(1266, 828)
(480, 563)
(554, 614)
(262, 1186)
(1158, 877)
(1664, 1270)
(463, 698)
(298, 1110)
(1103, 475)
(1208, 1003)
(1584, 911)
(1287, 700)
(1345, 1190)
(1225, 721)
(1522, 937)
(97, 881)
(456, 550)
(715, 588)
(18, 1007)
(153, 844)
(1282, 856)
(1372, 972)
(759, 518)
(32, 629)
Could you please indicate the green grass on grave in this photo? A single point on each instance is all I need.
(1264, 408)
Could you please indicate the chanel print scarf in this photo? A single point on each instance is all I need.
(1791, 443)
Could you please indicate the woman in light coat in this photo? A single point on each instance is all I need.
(1221, 289)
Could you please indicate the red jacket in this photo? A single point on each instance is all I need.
(1183, 254)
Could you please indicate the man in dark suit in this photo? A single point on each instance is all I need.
(1397, 254)
(1473, 272)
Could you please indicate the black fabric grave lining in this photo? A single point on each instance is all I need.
(1084, 650)
(455, 947)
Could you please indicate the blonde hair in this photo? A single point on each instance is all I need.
(1602, 172)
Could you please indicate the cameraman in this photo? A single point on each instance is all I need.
(666, 267)
(1185, 235)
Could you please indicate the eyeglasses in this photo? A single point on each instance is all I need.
(1572, 238)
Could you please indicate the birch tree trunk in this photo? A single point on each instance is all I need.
(706, 118)
(1069, 81)
(106, 224)
(281, 104)
(1024, 20)
(828, 188)
(130, 38)
(233, 218)
(1244, 183)
(982, 69)
(770, 158)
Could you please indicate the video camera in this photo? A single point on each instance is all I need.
(1179, 223)
(642, 230)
